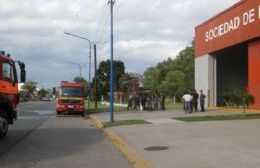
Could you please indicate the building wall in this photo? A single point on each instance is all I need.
(254, 72)
(205, 75)
(233, 26)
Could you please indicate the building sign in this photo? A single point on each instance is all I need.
(245, 19)
(240, 23)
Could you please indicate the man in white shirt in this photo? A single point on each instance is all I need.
(187, 98)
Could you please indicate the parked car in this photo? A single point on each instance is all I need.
(45, 99)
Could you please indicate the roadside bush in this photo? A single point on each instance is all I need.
(238, 98)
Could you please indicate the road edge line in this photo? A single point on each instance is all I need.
(132, 155)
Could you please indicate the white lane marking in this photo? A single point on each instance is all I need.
(41, 111)
(31, 117)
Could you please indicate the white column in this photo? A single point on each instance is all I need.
(205, 78)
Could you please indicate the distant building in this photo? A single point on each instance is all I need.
(20, 86)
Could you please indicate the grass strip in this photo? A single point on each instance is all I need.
(218, 117)
(125, 122)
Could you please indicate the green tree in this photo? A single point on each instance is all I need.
(152, 79)
(173, 84)
(79, 79)
(103, 75)
(42, 93)
(185, 62)
(160, 77)
(29, 87)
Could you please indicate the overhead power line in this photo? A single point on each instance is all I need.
(104, 29)
(102, 21)
(119, 4)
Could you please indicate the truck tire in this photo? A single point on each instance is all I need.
(3, 124)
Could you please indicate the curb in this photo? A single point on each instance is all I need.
(132, 155)
(231, 109)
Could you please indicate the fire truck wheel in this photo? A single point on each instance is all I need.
(3, 125)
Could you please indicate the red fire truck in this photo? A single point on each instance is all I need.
(71, 98)
(9, 97)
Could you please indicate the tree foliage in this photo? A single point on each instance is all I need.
(103, 75)
(172, 77)
(28, 89)
(29, 86)
(42, 93)
(173, 83)
(79, 79)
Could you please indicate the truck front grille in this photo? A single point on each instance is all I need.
(70, 101)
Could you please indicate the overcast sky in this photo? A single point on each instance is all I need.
(146, 32)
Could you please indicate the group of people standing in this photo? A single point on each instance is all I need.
(146, 102)
(190, 99)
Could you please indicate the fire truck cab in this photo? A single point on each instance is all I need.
(9, 97)
(71, 98)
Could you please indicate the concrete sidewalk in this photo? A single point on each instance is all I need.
(214, 144)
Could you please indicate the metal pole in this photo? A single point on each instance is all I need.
(95, 64)
(77, 64)
(111, 2)
(89, 77)
(79, 71)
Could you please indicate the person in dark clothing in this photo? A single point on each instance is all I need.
(143, 101)
(130, 105)
(195, 97)
(202, 101)
(156, 102)
(162, 101)
(149, 103)
(191, 102)
(137, 103)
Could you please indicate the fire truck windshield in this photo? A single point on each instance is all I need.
(71, 92)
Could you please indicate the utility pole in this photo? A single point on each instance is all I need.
(95, 64)
(111, 3)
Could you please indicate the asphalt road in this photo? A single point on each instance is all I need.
(39, 139)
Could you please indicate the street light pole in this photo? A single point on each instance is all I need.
(89, 77)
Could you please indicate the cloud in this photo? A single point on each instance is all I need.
(145, 32)
(155, 50)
